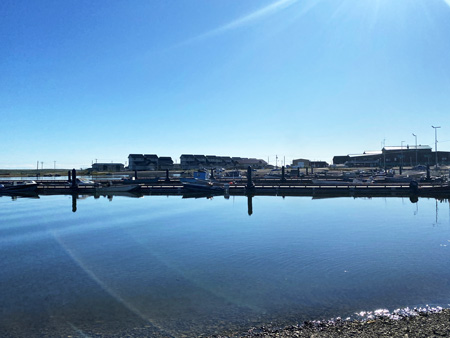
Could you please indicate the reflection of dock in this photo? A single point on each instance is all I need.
(271, 188)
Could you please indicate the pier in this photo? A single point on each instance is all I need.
(302, 185)
(288, 187)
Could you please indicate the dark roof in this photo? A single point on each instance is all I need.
(165, 159)
(151, 156)
(108, 163)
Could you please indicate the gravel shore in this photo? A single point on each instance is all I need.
(418, 324)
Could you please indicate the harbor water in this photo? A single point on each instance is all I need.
(167, 266)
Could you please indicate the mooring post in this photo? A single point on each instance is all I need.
(282, 174)
(74, 178)
(250, 204)
(212, 174)
(400, 170)
(74, 202)
(250, 184)
(135, 175)
(428, 172)
(307, 171)
(312, 170)
(167, 175)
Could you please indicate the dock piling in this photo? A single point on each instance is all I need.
(167, 175)
(250, 185)
(283, 178)
(74, 178)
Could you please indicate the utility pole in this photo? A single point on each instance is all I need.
(435, 143)
(401, 160)
(416, 145)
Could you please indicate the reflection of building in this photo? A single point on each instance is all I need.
(149, 162)
(108, 167)
(394, 157)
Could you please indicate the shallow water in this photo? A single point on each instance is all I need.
(185, 267)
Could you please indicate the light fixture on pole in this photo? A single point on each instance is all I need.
(435, 143)
(416, 145)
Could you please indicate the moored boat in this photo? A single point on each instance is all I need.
(19, 186)
(116, 188)
(202, 182)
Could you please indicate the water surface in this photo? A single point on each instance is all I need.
(173, 267)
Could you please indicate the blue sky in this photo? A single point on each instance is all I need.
(97, 80)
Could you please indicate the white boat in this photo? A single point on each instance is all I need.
(234, 174)
(199, 184)
(19, 186)
(275, 174)
(202, 182)
(114, 188)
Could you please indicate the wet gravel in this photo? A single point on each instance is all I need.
(406, 323)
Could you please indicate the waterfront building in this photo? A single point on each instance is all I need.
(141, 162)
(244, 163)
(300, 163)
(165, 162)
(318, 164)
(188, 161)
(395, 156)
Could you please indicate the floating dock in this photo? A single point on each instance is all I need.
(290, 187)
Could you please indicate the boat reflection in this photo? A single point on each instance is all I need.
(109, 196)
(16, 195)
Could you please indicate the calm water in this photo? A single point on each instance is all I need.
(173, 267)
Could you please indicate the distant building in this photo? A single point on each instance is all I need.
(300, 163)
(394, 157)
(318, 164)
(165, 163)
(111, 167)
(188, 161)
(244, 163)
(148, 162)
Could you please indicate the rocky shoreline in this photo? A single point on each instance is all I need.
(405, 323)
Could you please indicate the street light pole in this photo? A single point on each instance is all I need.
(401, 161)
(416, 146)
(435, 143)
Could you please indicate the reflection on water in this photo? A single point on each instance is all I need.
(173, 266)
